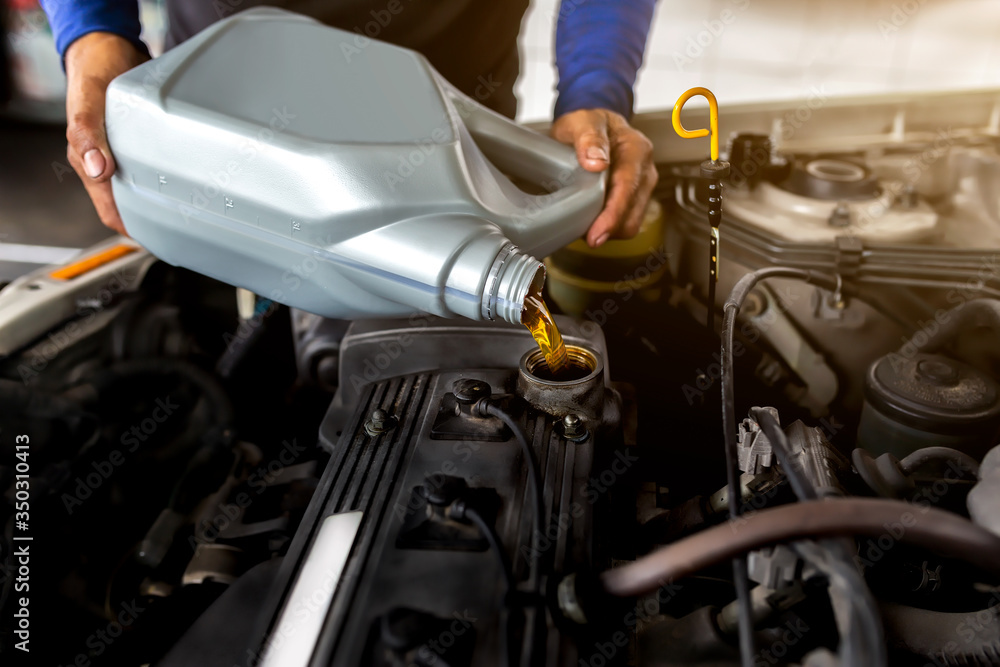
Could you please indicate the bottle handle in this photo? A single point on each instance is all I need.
(575, 195)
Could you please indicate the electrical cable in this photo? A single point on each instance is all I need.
(741, 581)
(472, 515)
(783, 450)
(860, 287)
(490, 533)
(733, 304)
(947, 534)
(859, 623)
(494, 409)
(855, 611)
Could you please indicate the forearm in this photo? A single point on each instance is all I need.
(599, 48)
(71, 20)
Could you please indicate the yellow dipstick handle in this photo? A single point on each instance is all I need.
(714, 171)
(713, 114)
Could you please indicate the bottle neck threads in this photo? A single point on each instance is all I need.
(513, 276)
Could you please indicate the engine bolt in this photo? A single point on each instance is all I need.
(574, 428)
(841, 216)
(380, 422)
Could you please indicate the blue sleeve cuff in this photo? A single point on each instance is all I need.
(597, 89)
(599, 49)
(72, 20)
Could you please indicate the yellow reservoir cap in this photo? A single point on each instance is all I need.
(580, 276)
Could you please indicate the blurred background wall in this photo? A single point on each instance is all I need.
(36, 73)
(747, 50)
(743, 50)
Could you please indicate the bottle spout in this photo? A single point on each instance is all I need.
(513, 277)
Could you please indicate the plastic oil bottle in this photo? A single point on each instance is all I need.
(258, 153)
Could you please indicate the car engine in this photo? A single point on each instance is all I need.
(213, 478)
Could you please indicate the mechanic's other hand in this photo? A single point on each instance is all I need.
(604, 139)
(91, 63)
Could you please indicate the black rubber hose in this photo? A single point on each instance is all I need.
(932, 634)
(212, 391)
(204, 473)
(494, 408)
(731, 308)
(913, 462)
(207, 468)
(19, 399)
(210, 464)
(947, 534)
(239, 346)
(976, 312)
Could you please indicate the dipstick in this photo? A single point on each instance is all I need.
(713, 170)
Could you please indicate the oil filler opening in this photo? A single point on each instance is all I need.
(581, 365)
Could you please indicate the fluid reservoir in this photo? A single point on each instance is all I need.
(928, 400)
(581, 278)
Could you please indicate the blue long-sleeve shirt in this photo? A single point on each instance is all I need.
(599, 43)
(72, 19)
(599, 47)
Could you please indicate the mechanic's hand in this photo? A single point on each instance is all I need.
(603, 138)
(91, 63)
